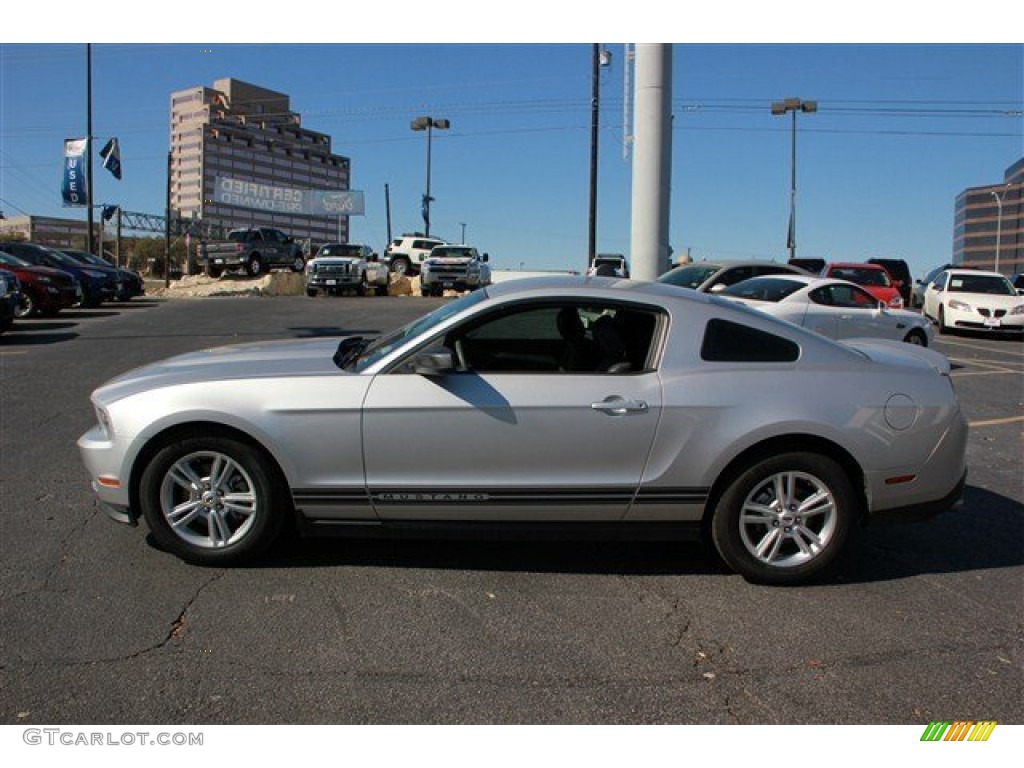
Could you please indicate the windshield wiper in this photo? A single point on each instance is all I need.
(348, 350)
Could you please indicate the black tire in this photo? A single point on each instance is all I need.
(916, 337)
(941, 321)
(26, 306)
(299, 264)
(382, 290)
(212, 270)
(184, 478)
(311, 292)
(254, 265)
(362, 287)
(401, 265)
(798, 543)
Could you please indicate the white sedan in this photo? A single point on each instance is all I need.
(973, 300)
(834, 308)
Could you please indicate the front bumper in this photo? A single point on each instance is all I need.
(103, 459)
(995, 321)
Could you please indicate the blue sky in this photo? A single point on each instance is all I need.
(901, 130)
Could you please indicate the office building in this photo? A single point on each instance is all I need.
(987, 215)
(241, 158)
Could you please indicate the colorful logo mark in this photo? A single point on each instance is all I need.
(961, 730)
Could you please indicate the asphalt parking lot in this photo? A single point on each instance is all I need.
(923, 623)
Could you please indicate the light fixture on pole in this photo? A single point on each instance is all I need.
(428, 124)
(793, 105)
(999, 222)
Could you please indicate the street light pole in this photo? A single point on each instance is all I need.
(999, 223)
(793, 105)
(428, 124)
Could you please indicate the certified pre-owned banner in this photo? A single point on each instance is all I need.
(74, 190)
(308, 202)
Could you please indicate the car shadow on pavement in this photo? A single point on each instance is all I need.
(986, 533)
(16, 337)
(573, 557)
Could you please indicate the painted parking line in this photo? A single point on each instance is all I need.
(10, 352)
(996, 422)
(975, 347)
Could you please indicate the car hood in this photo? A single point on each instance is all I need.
(262, 359)
(890, 352)
(35, 271)
(987, 300)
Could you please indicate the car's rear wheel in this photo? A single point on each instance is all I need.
(299, 264)
(400, 265)
(212, 270)
(212, 500)
(785, 519)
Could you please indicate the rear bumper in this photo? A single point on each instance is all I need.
(923, 511)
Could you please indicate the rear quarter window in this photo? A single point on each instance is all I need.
(729, 342)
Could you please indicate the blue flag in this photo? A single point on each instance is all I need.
(74, 190)
(111, 154)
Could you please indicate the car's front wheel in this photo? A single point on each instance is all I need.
(254, 266)
(212, 500)
(785, 519)
(26, 306)
(299, 264)
(917, 338)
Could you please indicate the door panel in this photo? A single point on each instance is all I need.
(508, 446)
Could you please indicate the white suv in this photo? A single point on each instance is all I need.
(405, 254)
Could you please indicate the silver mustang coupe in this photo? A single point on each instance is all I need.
(568, 406)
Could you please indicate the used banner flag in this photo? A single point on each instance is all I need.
(111, 154)
(74, 190)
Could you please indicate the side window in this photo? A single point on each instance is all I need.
(940, 281)
(558, 338)
(729, 342)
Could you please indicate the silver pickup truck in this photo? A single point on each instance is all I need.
(254, 250)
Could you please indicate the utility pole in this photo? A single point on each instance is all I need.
(90, 236)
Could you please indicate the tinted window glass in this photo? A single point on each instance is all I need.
(728, 342)
(764, 289)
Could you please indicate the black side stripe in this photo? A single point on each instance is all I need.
(497, 496)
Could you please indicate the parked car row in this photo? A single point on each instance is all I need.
(847, 301)
(50, 280)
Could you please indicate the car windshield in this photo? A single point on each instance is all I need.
(862, 276)
(340, 250)
(763, 289)
(690, 276)
(63, 258)
(386, 344)
(992, 284)
(13, 261)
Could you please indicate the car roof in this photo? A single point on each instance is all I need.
(973, 272)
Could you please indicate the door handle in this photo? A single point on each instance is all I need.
(618, 406)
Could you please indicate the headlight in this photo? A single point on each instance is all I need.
(1018, 310)
(960, 305)
(45, 280)
(94, 274)
(896, 303)
(103, 419)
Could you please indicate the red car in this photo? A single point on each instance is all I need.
(44, 290)
(872, 277)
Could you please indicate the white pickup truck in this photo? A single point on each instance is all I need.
(458, 267)
(339, 267)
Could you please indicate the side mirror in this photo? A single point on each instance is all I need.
(486, 257)
(374, 257)
(436, 361)
(718, 288)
